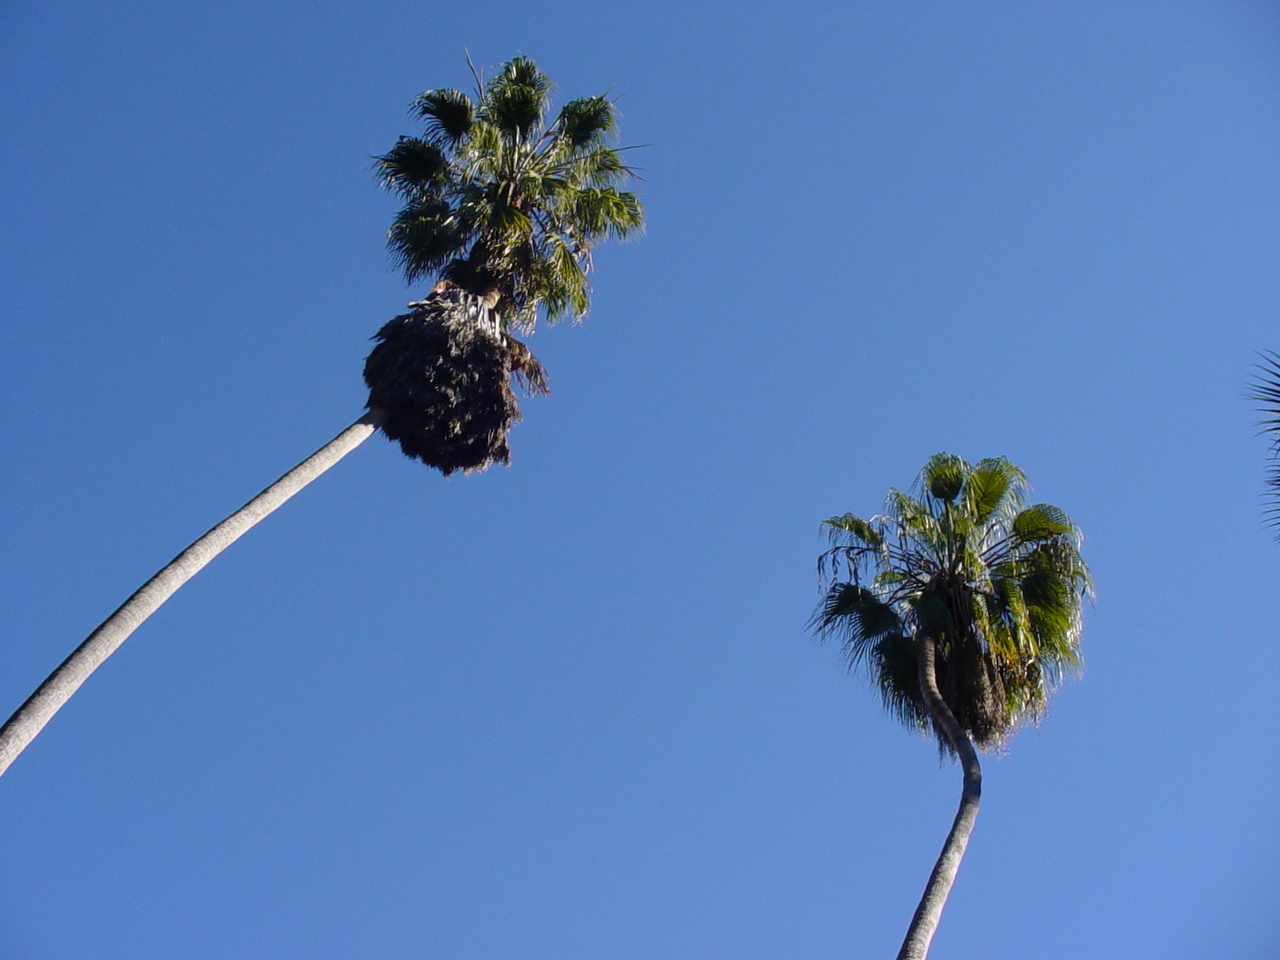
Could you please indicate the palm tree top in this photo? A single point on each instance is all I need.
(995, 582)
(505, 204)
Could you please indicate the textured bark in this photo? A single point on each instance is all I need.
(31, 717)
(929, 912)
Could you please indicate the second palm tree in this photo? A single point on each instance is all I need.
(964, 605)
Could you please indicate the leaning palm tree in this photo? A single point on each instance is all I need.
(963, 604)
(505, 208)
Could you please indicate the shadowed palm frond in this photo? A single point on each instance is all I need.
(425, 238)
(587, 121)
(515, 100)
(1266, 392)
(449, 115)
(413, 168)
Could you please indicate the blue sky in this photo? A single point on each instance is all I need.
(569, 709)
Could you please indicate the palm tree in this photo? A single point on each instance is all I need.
(1266, 391)
(506, 209)
(963, 604)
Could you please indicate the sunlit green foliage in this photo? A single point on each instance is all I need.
(501, 202)
(996, 582)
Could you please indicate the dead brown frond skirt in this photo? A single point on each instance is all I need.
(441, 378)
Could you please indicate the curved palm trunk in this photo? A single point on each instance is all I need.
(929, 912)
(30, 718)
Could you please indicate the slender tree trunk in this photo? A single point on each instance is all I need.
(929, 912)
(30, 718)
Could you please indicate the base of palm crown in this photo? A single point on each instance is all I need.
(440, 381)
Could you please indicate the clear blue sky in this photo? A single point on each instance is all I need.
(569, 709)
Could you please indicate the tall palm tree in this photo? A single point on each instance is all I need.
(963, 604)
(505, 208)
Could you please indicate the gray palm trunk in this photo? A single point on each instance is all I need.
(929, 912)
(31, 717)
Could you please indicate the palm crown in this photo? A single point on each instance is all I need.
(502, 203)
(995, 583)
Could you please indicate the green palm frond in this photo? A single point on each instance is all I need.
(518, 204)
(449, 115)
(1266, 392)
(587, 121)
(998, 584)
(604, 213)
(943, 477)
(872, 638)
(424, 238)
(991, 485)
(857, 616)
(855, 528)
(893, 667)
(1041, 521)
(414, 169)
(515, 101)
